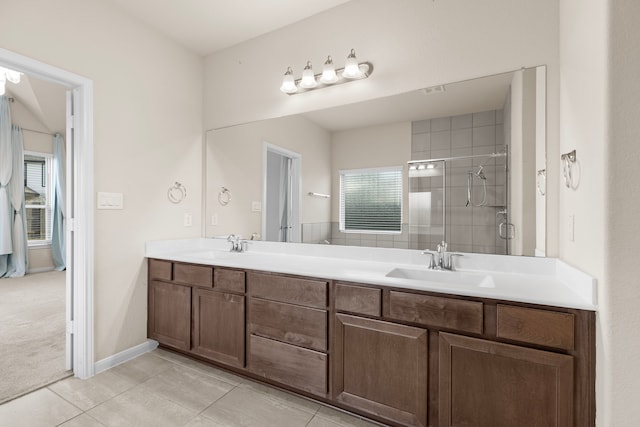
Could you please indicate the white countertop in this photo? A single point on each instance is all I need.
(546, 281)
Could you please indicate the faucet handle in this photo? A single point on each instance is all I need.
(432, 262)
(451, 265)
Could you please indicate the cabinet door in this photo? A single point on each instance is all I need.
(490, 384)
(218, 326)
(169, 313)
(381, 368)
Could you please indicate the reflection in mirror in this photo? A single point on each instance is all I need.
(467, 156)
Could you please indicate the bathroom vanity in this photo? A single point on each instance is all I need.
(400, 350)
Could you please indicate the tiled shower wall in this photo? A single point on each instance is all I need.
(469, 229)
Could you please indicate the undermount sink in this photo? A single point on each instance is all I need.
(446, 277)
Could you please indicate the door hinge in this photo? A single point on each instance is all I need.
(70, 327)
(72, 121)
(71, 223)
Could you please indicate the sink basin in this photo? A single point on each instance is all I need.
(445, 277)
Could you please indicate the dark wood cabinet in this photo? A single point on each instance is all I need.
(489, 384)
(380, 368)
(401, 357)
(218, 326)
(169, 314)
(287, 331)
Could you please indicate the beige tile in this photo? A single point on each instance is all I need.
(201, 367)
(85, 394)
(282, 396)
(137, 407)
(187, 387)
(203, 422)
(82, 420)
(339, 418)
(246, 407)
(40, 408)
(142, 367)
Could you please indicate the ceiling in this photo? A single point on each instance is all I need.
(206, 26)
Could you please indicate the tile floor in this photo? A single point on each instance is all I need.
(165, 389)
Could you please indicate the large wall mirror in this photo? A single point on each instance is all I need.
(461, 162)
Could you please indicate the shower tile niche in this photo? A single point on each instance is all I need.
(468, 227)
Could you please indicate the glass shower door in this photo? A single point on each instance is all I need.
(427, 199)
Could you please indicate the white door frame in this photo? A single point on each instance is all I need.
(296, 191)
(81, 240)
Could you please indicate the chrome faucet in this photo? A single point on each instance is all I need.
(444, 260)
(237, 244)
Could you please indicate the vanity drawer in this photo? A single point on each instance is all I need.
(358, 299)
(310, 293)
(195, 275)
(159, 269)
(225, 279)
(287, 364)
(449, 313)
(535, 326)
(294, 324)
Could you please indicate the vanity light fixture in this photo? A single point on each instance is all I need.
(8, 75)
(353, 70)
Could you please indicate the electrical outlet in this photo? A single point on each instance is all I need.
(188, 220)
(256, 206)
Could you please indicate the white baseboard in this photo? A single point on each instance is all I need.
(124, 356)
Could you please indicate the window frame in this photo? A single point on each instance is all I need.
(341, 214)
(48, 206)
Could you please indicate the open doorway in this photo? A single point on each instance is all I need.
(281, 213)
(77, 296)
(33, 287)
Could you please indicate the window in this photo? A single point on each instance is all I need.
(371, 200)
(38, 197)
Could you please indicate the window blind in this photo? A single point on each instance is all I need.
(371, 200)
(38, 195)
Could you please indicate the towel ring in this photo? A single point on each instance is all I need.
(224, 196)
(177, 193)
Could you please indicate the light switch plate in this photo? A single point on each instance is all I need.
(256, 206)
(110, 200)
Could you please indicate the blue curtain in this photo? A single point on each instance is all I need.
(6, 167)
(18, 259)
(58, 244)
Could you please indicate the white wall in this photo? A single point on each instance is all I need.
(620, 320)
(599, 112)
(235, 161)
(147, 134)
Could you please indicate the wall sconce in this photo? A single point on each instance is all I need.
(330, 76)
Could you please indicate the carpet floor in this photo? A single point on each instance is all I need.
(32, 333)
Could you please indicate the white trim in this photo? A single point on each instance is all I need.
(371, 170)
(83, 245)
(125, 356)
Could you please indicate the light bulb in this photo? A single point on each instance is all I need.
(421, 167)
(308, 78)
(13, 76)
(430, 166)
(288, 82)
(351, 67)
(329, 75)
